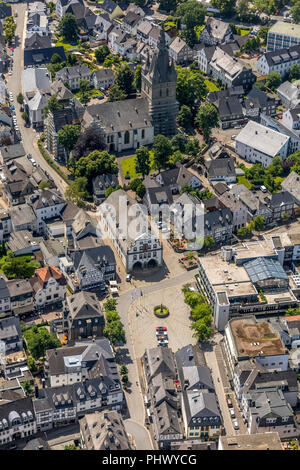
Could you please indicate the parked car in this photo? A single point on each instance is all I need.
(128, 278)
(161, 328)
(232, 413)
(236, 425)
(229, 403)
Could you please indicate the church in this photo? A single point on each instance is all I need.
(128, 124)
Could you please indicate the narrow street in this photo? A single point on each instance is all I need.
(29, 136)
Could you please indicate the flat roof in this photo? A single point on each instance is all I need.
(227, 277)
(285, 28)
(253, 338)
(253, 249)
(267, 441)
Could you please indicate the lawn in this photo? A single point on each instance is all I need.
(65, 45)
(128, 166)
(243, 32)
(244, 181)
(211, 86)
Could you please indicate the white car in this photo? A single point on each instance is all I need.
(10, 72)
(236, 425)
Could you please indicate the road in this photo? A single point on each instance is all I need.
(140, 435)
(29, 136)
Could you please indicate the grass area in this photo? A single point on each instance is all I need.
(244, 181)
(211, 86)
(128, 166)
(65, 45)
(243, 32)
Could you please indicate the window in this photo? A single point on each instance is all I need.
(126, 137)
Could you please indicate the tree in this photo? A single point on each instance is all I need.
(55, 59)
(70, 447)
(192, 13)
(178, 142)
(110, 190)
(101, 53)
(207, 118)
(209, 242)
(31, 364)
(115, 331)
(202, 331)
(19, 267)
(295, 12)
(68, 27)
(110, 304)
(52, 105)
(112, 315)
(27, 387)
(141, 190)
(9, 27)
(68, 135)
(71, 59)
(185, 117)
(167, 5)
(124, 78)
(242, 232)
(189, 36)
(162, 149)
(259, 222)
(44, 184)
(20, 99)
(38, 340)
(226, 7)
(273, 81)
(96, 163)
(76, 192)
(116, 94)
(192, 147)
(242, 9)
(294, 70)
(190, 88)
(25, 116)
(137, 81)
(88, 141)
(142, 161)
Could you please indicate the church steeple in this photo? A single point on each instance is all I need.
(159, 87)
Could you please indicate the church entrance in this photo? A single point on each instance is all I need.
(112, 147)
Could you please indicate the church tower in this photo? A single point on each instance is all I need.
(159, 87)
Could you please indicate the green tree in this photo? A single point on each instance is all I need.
(137, 81)
(124, 370)
(242, 9)
(101, 53)
(115, 331)
(110, 190)
(192, 13)
(185, 117)
(31, 364)
(190, 88)
(68, 27)
(68, 135)
(226, 7)
(178, 142)
(110, 304)
(192, 147)
(209, 242)
(124, 78)
(167, 5)
(116, 94)
(273, 81)
(52, 105)
(259, 222)
(21, 267)
(44, 184)
(27, 387)
(9, 27)
(242, 232)
(202, 331)
(25, 116)
(295, 12)
(20, 99)
(76, 192)
(295, 69)
(207, 118)
(96, 163)
(111, 316)
(70, 447)
(141, 190)
(142, 161)
(162, 149)
(55, 59)
(38, 340)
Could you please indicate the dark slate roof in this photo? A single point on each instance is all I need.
(36, 41)
(102, 182)
(77, 71)
(108, 5)
(14, 408)
(221, 167)
(9, 328)
(12, 151)
(160, 194)
(115, 116)
(4, 292)
(98, 255)
(216, 96)
(282, 55)
(103, 74)
(5, 10)
(283, 197)
(258, 98)
(221, 219)
(84, 305)
(42, 56)
(230, 107)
